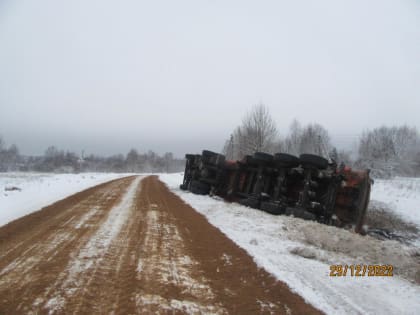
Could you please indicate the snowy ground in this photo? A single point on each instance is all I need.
(401, 195)
(300, 253)
(295, 251)
(36, 190)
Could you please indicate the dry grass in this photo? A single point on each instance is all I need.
(379, 218)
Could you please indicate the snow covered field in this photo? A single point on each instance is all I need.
(401, 195)
(37, 190)
(300, 253)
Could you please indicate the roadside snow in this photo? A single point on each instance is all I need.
(37, 190)
(300, 253)
(401, 194)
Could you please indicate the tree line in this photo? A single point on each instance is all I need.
(386, 151)
(55, 160)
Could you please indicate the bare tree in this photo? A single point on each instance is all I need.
(389, 151)
(316, 140)
(344, 156)
(312, 138)
(259, 129)
(229, 148)
(168, 160)
(132, 161)
(406, 141)
(293, 140)
(258, 132)
(240, 148)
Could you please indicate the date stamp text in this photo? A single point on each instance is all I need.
(361, 270)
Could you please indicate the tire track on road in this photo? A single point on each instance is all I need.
(236, 282)
(169, 278)
(131, 247)
(96, 262)
(39, 246)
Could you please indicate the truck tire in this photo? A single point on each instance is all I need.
(286, 160)
(313, 160)
(199, 188)
(208, 153)
(209, 157)
(262, 157)
(220, 160)
(248, 159)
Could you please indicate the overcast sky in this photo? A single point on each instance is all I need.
(105, 76)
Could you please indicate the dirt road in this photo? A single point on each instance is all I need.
(131, 247)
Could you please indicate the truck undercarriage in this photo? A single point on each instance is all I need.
(309, 186)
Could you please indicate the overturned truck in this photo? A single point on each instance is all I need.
(309, 186)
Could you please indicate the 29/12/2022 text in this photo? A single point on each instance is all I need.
(362, 270)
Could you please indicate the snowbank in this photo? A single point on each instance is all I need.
(300, 253)
(23, 193)
(401, 194)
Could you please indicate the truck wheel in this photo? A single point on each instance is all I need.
(199, 188)
(248, 159)
(286, 160)
(313, 160)
(262, 157)
(220, 160)
(207, 156)
(212, 158)
(208, 153)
